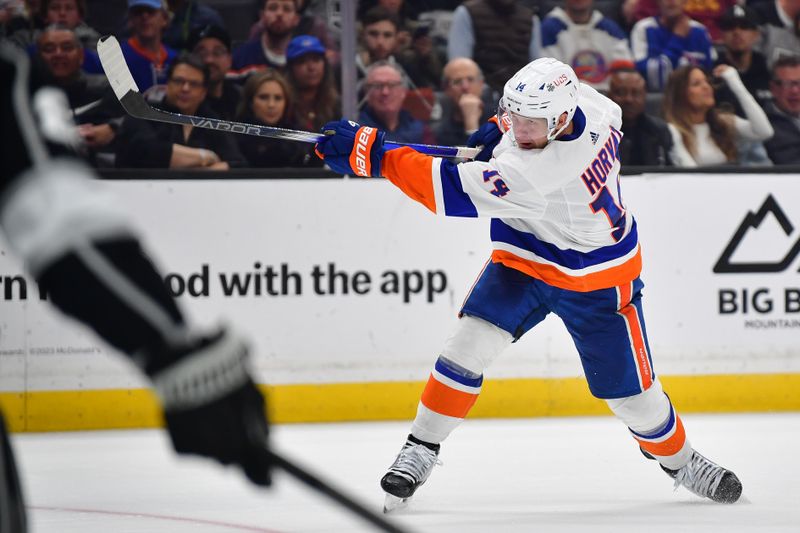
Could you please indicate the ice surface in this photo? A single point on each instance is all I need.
(498, 476)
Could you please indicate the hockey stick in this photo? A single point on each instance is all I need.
(317, 484)
(134, 103)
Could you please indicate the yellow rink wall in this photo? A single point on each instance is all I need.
(501, 398)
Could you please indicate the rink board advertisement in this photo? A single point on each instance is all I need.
(349, 282)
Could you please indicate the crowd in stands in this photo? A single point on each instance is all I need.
(700, 83)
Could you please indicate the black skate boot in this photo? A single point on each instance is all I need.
(412, 467)
(705, 478)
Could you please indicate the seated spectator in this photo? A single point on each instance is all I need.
(702, 133)
(386, 90)
(781, 30)
(187, 16)
(310, 76)
(663, 43)
(378, 39)
(784, 112)
(310, 24)
(502, 36)
(90, 97)
(147, 57)
(705, 12)
(279, 19)
(420, 59)
(585, 39)
(739, 34)
(466, 103)
(71, 13)
(150, 144)
(400, 10)
(267, 101)
(212, 44)
(23, 25)
(646, 140)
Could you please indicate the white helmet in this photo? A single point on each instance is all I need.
(545, 88)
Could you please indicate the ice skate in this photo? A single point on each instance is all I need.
(412, 467)
(706, 478)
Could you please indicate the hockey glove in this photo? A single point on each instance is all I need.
(212, 407)
(487, 136)
(350, 148)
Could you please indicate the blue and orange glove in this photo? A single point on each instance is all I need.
(350, 148)
(487, 136)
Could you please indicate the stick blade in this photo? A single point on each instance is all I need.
(115, 67)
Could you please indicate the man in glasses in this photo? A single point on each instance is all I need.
(212, 44)
(149, 144)
(386, 88)
(564, 242)
(784, 112)
(466, 102)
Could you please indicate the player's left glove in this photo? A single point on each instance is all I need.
(350, 148)
(488, 136)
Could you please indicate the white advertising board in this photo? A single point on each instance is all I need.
(349, 281)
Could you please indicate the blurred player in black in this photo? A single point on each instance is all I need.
(73, 240)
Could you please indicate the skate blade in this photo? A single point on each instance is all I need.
(393, 503)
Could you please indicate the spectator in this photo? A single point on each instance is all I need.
(706, 12)
(386, 89)
(703, 134)
(739, 34)
(160, 145)
(213, 45)
(313, 83)
(267, 100)
(400, 10)
(421, 60)
(646, 140)
(502, 36)
(279, 19)
(310, 24)
(781, 31)
(784, 112)
(147, 57)
(24, 24)
(663, 43)
(378, 39)
(466, 104)
(187, 16)
(71, 13)
(90, 98)
(585, 39)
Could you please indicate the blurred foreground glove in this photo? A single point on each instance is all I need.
(350, 148)
(487, 136)
(212, 407)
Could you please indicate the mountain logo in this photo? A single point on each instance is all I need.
(753, 221)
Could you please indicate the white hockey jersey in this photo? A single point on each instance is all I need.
(557, 213)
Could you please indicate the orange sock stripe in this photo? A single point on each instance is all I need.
(671, 446)
(445, 400)
(638, 345)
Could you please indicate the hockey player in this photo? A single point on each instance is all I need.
(563, 241)
(64, 227)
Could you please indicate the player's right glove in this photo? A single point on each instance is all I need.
(487, 136)
(349, 148)
(211, 405)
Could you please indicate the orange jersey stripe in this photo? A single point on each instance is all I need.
(411, 172)
(671, 446)
(445, 400)
(604, 279)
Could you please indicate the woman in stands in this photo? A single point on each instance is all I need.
(703, 133)
(267, 100)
